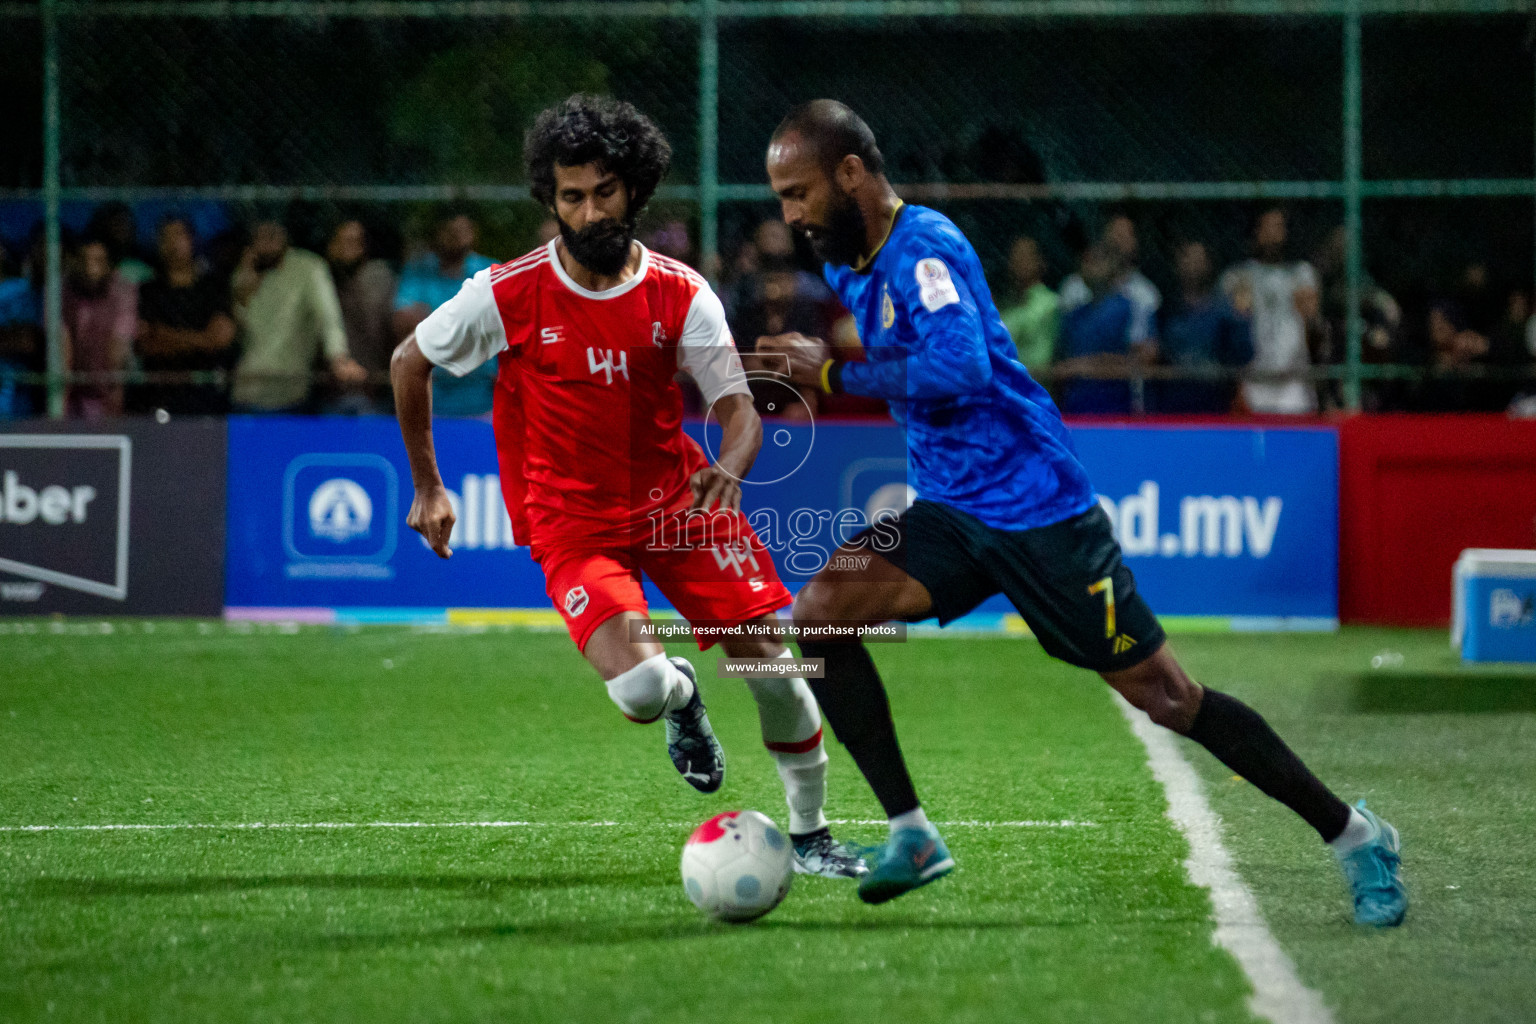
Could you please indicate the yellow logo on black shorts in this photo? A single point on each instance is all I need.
(1123, 643)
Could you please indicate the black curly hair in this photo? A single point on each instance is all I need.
(585, 129)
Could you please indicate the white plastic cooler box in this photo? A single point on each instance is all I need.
(1493, 601)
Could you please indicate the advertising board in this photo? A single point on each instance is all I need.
(118, 518)
(1216, 522)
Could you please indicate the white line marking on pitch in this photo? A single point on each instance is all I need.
(265, 825)
(1065, 823)
(292, 825)
(1279, 994)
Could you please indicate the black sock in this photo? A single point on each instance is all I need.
(853, 699)
(1244, 742)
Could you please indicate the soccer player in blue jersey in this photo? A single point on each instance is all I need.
(1003, 506)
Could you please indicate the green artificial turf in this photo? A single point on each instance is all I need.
(564, 920)
(561, 922)
(1445, 753)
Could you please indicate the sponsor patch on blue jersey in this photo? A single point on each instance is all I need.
(936, 288)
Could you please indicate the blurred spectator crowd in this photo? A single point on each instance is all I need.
(248, 321)
(1263, 335)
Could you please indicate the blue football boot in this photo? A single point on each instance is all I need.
(1381, 899)
(912, 857)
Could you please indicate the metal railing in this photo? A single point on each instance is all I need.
(706, 18)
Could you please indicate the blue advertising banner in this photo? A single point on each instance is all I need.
(1224, 521)
(1238, 523)
(317, 520)
(1234, 522)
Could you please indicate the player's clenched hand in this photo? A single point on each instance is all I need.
(714, 487)
(805, 356)
(432, 516)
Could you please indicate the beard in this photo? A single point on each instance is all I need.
(842, 240)
(602, 247)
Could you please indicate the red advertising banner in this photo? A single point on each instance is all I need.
(1414, 492)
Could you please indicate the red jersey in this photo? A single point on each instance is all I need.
(587, 414)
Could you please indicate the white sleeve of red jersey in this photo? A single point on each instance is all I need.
(465, 331)
(707, 352)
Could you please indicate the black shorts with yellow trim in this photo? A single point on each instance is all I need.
(1066, 579)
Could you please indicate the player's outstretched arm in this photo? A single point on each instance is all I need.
(720, 485)
(431, 515)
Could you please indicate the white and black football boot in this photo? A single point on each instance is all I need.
(819, 853)
(691, 742)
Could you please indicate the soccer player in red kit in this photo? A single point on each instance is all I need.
(599, 479)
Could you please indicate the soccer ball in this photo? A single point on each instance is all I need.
(736, 866)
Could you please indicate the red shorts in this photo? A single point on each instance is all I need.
(723, 584)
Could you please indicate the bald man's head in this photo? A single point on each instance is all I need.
(832, 132)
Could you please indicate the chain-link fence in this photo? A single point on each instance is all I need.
(1408, 124)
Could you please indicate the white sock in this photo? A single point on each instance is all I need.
(914, 818)
(1356, 834)
(790, 719)
(682, 688)
(805, 788)
(650, 689)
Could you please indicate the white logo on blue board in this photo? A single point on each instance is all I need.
(341, 515)
(1209, 526)
(340, 510)
(1507, 610)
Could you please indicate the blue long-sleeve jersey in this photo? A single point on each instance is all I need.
(982, 435)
